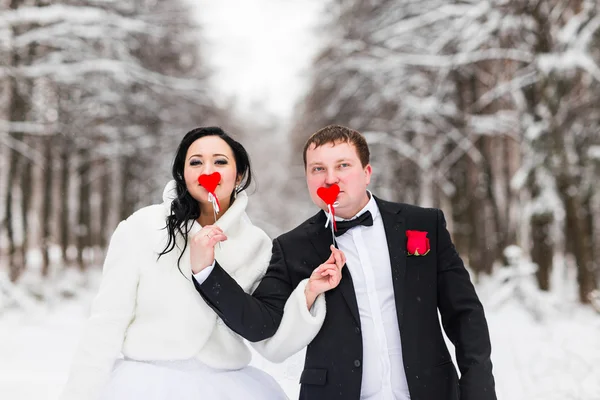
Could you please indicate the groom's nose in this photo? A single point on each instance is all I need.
(331, 177)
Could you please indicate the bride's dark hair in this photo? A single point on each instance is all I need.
(184, 207)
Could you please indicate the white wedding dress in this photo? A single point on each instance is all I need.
(188, 380)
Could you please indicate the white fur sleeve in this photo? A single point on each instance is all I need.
(111, 313)
(298, 327)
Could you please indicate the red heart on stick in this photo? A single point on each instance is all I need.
(329, 194)
(210, 182)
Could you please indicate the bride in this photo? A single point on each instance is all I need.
(174, 345)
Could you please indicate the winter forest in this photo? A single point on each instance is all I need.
(487, 109)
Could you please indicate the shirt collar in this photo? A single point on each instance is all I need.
(370, 206)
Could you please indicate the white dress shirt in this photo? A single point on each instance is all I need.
(368, 261)
(203, 275)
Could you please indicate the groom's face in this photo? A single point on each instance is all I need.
(338, 164)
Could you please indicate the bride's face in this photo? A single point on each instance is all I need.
(205, 156)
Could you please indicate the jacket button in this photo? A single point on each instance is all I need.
(357, 363)
(357, 329)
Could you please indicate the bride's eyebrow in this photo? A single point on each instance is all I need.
(214, 155)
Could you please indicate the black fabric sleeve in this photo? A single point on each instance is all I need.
(253, 316)
(463, 320)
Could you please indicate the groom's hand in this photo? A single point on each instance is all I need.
(326, 276)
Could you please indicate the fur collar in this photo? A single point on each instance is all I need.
(246, 252)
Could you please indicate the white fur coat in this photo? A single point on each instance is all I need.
(146, 310)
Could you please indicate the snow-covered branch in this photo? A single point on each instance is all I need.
(526, 78)
(505, 122)
(78, 32)
(382, 34)
(30, 128)
(123, 72)
(568, 60)
(76, 15)
(22, 148)
(422, 160)
(388, 58)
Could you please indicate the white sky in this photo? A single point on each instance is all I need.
(260, 48)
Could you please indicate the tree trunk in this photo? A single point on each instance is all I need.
(462, 231)
(588, 219)
(542, 250)
(14, 266)
(512, 164)
(26, 196)
(126, 202)
(595, 229)
(480, 253)
(27, 191)
(84, 215)
(65, 175)
(4, 155)
(581, 242)
(461, 200)
(497, 235)
(541, 221)
(16, 112)
(107, 189)
(47, 205)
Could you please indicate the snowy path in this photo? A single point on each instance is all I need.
(557, 360)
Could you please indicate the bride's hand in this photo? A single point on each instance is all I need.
(202, 247)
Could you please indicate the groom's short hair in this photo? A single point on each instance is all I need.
(335, 134)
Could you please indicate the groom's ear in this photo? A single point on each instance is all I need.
(368, 173)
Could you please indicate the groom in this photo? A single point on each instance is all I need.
(381, 338)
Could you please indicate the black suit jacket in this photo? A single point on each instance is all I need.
(422, 286)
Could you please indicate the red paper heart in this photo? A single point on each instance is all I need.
(329, 194)
(210, 182)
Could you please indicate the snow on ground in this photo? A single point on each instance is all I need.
(557, 358)
(553, 360)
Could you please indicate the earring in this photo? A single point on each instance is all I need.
(235, 192)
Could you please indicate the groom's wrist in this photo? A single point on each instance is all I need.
(201, 275)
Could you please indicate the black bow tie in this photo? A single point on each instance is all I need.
(365, 219)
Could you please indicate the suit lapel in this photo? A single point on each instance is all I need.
(395, 233)
(347, 288)
(320, 238)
